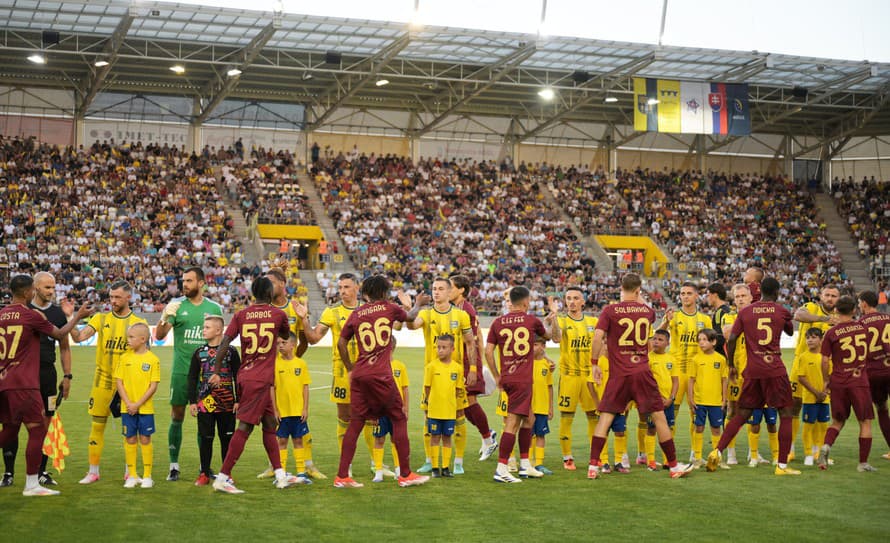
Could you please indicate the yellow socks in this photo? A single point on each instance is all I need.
(774, 445)
(621, 448)
(446, 456)
(434, 450)
(341, 431)
(807, 436)
(130, 457)
(300, 458)
(650, 448)
(460, 438)
(591, 426)
(368, 432)
(282, 453)
(395, 458)
(307, 447)
(697, 442)
(427, 448)
(148, 450)
(97, 442)
(565, 433)
(539, 456)
(714, 441)
(378, 458)
(795, 426)
(753, 442)
(642, 428)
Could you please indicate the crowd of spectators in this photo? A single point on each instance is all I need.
(415, 221)
(96, 214)
(265, 184)
(718, 225)
(866, 207)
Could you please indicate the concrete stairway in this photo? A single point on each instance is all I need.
(325, 223)
(594, 249)
(316, 296)
(836, 230)
(250, 248)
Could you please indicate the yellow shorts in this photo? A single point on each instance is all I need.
(572, 390)
(501, 409)
(340, 389)
(681, 390)
(463, 401)
(100, 401)
(734, 390)
(796, 389)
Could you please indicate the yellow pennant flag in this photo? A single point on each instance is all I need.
(55, 445)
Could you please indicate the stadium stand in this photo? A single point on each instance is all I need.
(866, 206)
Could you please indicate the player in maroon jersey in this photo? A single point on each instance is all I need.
(513, 336)
(20, 399)
(374, 392)
(259, 325)
(473, 374)
(765, 379)
(845, 351)
(878, 365)
(625, 327)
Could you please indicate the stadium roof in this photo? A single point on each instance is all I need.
(431, 71)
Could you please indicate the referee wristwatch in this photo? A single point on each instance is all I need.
(68, 376)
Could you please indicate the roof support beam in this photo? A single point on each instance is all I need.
(352, 85)
(109, 55)
(744, 71)
(216, 89)
(848, 125)
(494, 73)
(587, 93)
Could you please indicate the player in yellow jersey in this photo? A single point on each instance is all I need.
(741, 295)
(708, 375)
(661, 363)
(542, 403)
(816, 403)
(291, 392)
(333, 318)
(384, 425)
(279, 299)
(820, 315)
(110, 330)
(446, 318)
(575, 339)
(684, 326)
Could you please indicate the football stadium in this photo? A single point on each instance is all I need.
(574, 270)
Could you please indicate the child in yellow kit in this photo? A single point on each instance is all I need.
(137, 376)
(442, 382)
(708, 377)
(542, 403)
(291, 394)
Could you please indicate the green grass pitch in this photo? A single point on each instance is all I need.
(743, 504)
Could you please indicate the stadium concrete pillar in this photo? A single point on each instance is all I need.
(825, 164)
(79, 131)
(789, 156)
(194, 138)
(701, 151)
(612, 150)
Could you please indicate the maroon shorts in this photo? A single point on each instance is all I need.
(845, 398)
(880, 388)
(21, 406)
(375, 396)
(479, 386)
(768, 391)
(519, 398)
(639, 387)
(254, 402)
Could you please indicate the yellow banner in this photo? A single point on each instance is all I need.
(668, 95)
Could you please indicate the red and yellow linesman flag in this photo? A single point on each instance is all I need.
(55, 445)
